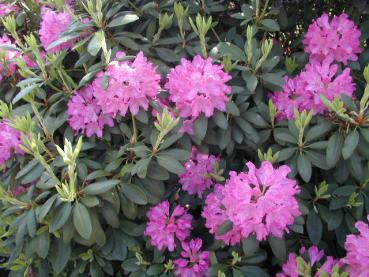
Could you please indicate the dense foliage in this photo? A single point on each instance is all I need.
(184, 138)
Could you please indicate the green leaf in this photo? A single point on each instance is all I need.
(334, 147)
(220, 120)
(82, 220)
(335, 220)
(94, 46)
(43, 244)
(45, 208)
(167, 55)
(225, 227)
(250, 246)
(59, 255)
(134, 193)
(24, 92)
(278, 246)
(314, 227)
(270, 25)
(200, 127)
(178, 154)
(233, 109)
(365, 133)
(123, 20)
(229, 49)
(60, 217)
(100, 187)
(304, 167)
(170, 164)
(253, 271)
(350, 144)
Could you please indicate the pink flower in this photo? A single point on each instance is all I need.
(163, 227)
(290, 267)
(357, 247)
(194, 179)
(194, 262)
(314, 259)
(215, 215)
(9, 142)
(129, 86)
(53, 24)
(198, 87)
(336, 40)
(304, 91)
(289, 98)
(85, 115)
(261, 202)
(6, 8)
(322, 79)
(8, 63)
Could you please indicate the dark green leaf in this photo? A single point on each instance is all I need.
(134, 193)
(350, 144)
(334, 147)
(100, 187)
(123, 20)
(314, 227)
(278, 246)
(225, 227)
(82, 220)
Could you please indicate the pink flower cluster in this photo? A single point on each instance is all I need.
(198, 87)
(314, 258)
(131, 84)
(122, 87)
(163, 226)
(327, 43)
(52, 25)
(85, 115)
(357, 247)
(261, 202)
(336, 40)
(7, 8)
(195, 180)
(9, 142)
(8, 64)
(194, 262)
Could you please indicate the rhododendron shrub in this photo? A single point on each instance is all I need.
(184, 138)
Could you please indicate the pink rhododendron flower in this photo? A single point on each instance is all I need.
(216, 215)
(304, 91)
(9, 142)
(163, 227)
(194, 179)
(7, 8)
(336, 40)
(129, 86)
(8, 64)
(194, 262)
(357, 247)
(85, 115)
(289, 98)
(53, 24)
(261, 202)
(198, 87)
(314, 257)
(322, 79)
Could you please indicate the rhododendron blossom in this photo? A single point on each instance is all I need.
(85, 115)
(322, 79)
(305, 90)
(357, 247)
(164, 226)
(7, 8)
(335, 40)
(314, 258)
(9, 142)
(195, 179)
(53, 24)
(216, 215)
(198, 87)
(194, 262)
(127, 86)
(8, 63)
(261, 202)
